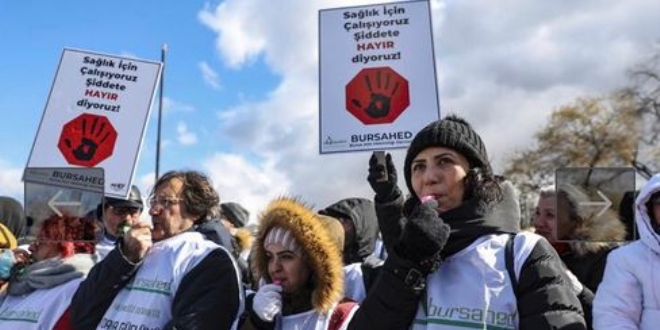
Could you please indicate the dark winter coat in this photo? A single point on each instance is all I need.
(544, 296)
(209, 296)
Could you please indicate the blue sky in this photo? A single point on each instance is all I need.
(241, 79)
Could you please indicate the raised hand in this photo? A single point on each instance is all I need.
(423, 237)
(137, 241)
(383, 179)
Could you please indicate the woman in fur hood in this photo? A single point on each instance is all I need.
(300, 267)
(582, 237)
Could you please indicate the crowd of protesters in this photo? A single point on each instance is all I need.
(449, 255)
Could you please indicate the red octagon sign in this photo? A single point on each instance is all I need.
(377, 95)
(87, 140)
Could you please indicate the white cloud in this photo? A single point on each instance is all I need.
(184, 136)
(171, 106)
(504, 68)
(238, 180)
(509, 68)
(247, 41)
(145, 183)
(210, 76)
(10, 181)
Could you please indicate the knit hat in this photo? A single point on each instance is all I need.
(235, 213)
(7, 239)
(450, 132)
(283, 237)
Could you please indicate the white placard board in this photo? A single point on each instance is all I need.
(377, 76)
(96, 116)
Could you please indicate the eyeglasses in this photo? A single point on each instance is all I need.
(163, 201)
(124, 211)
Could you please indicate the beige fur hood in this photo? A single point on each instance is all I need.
(320, 252)
(597, 233)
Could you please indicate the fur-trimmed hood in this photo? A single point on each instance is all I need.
(593, 232)
(243, 239)
(320, 252)
(597, 233)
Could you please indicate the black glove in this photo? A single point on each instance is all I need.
(417, 252)
(384, 186)
(423, 237)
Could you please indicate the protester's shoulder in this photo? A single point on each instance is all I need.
(192, 246)
(531, 239)
(522, 241)
(216, 261)
(627, 251)
(540, 245)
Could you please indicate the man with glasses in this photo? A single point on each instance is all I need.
(165, 274)
(115, 214)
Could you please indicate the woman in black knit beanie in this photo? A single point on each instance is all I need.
(455, 260)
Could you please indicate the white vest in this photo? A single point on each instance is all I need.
(354, 282)
(146, 301)
(103, 247)
(37, 310)
(472, 289)
(312, 320)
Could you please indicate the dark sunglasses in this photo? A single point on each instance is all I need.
(123, 211)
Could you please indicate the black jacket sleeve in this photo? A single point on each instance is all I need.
(545, 296)
(391, 221)
(209, 296)
(390, 304)
(98, 290)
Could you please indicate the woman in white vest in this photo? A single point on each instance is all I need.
(300, 266)
(39, 293)
(447, 260)
(628, 298)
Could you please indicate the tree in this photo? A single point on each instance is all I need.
(591, 132)
(618, 130)
(644, 92)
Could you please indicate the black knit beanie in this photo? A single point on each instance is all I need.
(450, 132)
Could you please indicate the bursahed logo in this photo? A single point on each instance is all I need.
(20, 315)
(117, 186)
(151, 285)
(468, 317)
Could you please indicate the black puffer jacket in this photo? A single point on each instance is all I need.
(544, 296)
